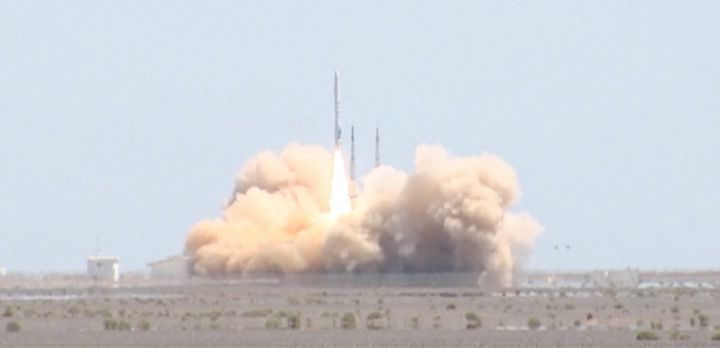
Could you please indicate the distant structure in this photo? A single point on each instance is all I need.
(3, 271)
(377, 146)
(103, 268)
(352, 152)
(173, 267)
(613, 279)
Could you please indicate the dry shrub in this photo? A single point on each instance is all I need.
(647, 336)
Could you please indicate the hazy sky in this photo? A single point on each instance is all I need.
(122, 123)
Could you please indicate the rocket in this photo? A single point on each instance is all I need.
(337, 111)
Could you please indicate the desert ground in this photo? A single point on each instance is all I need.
(279, 314)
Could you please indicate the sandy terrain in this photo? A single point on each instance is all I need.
(225, 314)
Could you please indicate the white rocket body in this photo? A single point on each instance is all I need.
(338, 133)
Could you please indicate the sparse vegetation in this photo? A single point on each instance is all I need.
(272, 323)
(703, 320)
(246, 311)
(13, 326)
(116, 325)
(105, 313)
(373, 321)
(293, 321)
(647, 336)
(472, 321)
(436, 322)
(256, 313)
(415, 322)
(677, 336)
(534, 323)
(348, 321)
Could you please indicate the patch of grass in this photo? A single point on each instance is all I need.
(293, 321)
(534, 323)
(8, 313)
(716, 337)
(415, 322)
(290, 319)
(703, 320)
(116, 325)
(13, 326)
(143, 325)
(272, 323)
(214, 315)
(472, 321)
(677, 336)
(656, 325)
(256, 313)
(647, 336)
(373, 321)
(348, 321)
(374, 316)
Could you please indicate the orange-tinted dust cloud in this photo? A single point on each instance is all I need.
(450, 214)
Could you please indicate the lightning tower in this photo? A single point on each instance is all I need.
(352, 152)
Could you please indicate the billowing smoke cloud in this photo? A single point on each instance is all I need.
(451, 214)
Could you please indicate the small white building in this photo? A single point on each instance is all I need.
(3, 271)
(173, 267)
(103, 268)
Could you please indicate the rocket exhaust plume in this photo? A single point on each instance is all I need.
(450, 214)
(339, 194)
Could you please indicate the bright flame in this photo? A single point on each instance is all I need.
(339, 196)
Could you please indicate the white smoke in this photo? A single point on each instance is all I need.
(451, 214)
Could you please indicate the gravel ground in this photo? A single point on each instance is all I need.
(282, 316)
